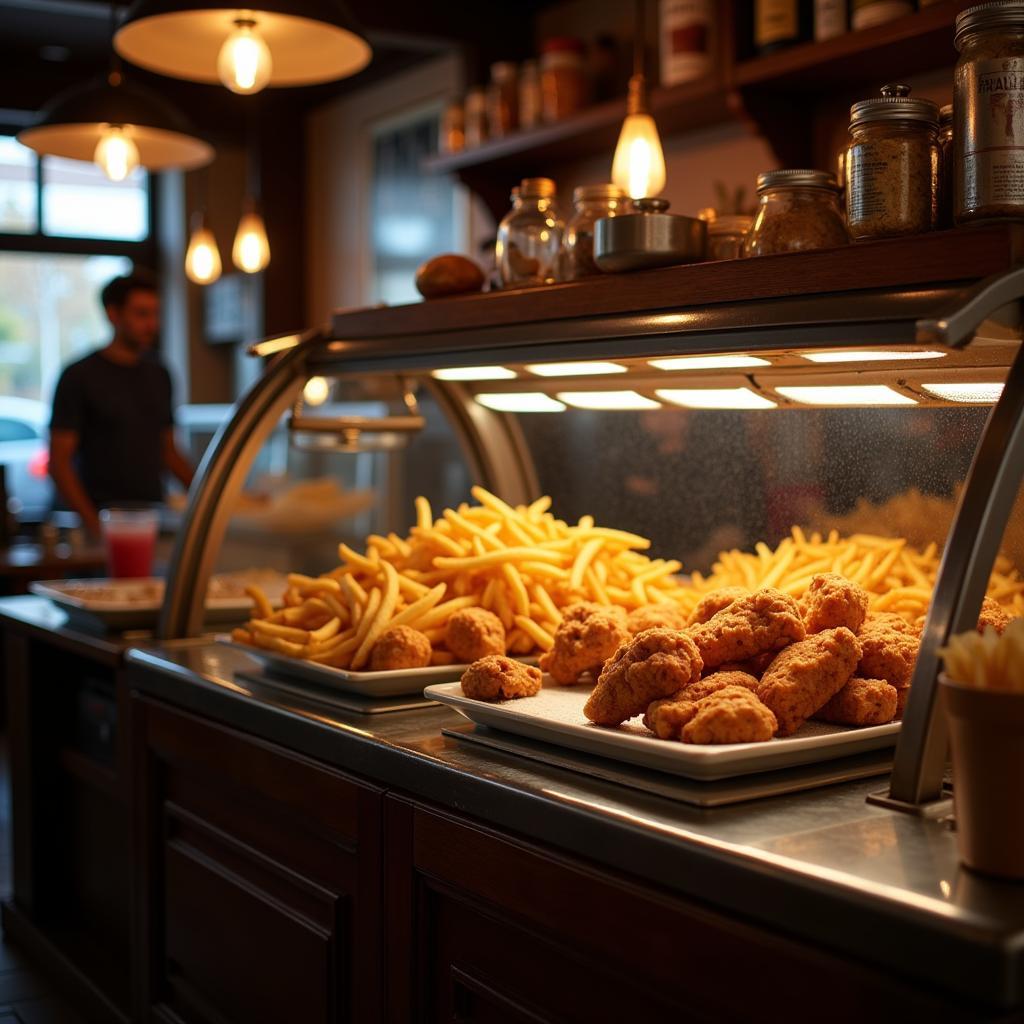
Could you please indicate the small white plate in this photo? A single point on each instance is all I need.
(555, 715)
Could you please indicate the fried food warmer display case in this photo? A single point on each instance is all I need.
(873, 390)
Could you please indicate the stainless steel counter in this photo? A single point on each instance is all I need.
(822, 866)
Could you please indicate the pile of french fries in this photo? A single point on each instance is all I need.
(989, 661)
(898, 577)
(519, 562)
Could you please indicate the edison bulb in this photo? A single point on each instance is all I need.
(244, 63)
(116, 153)
(639, 164)
(251, 251)
(316, 391)
(202, 260)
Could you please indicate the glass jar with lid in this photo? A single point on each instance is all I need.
(502, 100)
(726, 233)
(592, 202)
(475, 117)
(797, 210)
(563, 81)
(988, 126)
(946, 166)
(530, 236)
(892, 165)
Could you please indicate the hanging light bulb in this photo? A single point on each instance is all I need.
(251, 251)
(316, 391)
(202, 260)
(244, 63)
(115, 152)
(639, 164)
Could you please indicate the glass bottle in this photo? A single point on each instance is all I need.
(592, 202)
(502, 100)
(475, 118)
(726, 234)
(530, 236)
(453, 129)
(780, 23)
(530, 101)
(798, 210)
(562, 79)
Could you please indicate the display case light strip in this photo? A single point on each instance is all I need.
(595, 368)
(845, 394)
(869, 355)
(715, 398)
(607, 400)
(520, 401)
(724, 362)
(979, 394)
(474, 373)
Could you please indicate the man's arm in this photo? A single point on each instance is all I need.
(63, 445)
(174, 462)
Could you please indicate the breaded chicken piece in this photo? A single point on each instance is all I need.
(473, 633)
(649, 616)
(499, 678)
(902, 693)
(808, 674)
(655, 663)
(889, 646)
(993, 614)
(763, 621)
(400, 647)
(832, 600)
(730, 715)
(702, 688)
(755, 666)
(861, 702)
(588, 635)
(711, 604)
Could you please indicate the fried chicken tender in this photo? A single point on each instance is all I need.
(755, 666)
(648, 616)
(732, 714)
(588, 635)
(993, 614)
(473, 633)
(702, 688)
(808, 674)
(832, 600)
(655, 663)
(889, 646)
(861, 702)
(711, 604)
(400, 647)
(499, 678)
(763, 621)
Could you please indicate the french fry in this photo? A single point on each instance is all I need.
(539, 636)
(260, 601)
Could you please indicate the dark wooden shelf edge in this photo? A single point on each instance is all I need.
(958, 255)
(92, 773)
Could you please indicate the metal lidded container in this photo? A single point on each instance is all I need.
(649, 237)
(797, 210)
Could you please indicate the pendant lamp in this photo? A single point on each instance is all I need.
(251, 249)
(202, 259)
(120, 125)
(276, 43)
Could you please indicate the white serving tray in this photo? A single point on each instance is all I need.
(555, 715)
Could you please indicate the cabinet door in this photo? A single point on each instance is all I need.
(260, 879)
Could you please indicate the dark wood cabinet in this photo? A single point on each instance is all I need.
(260, 879)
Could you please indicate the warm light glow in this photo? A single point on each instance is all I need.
(980, 394)
(868, 355)
(737, 362)
(639, 164)
(316, 391)
(474, 373)
(202, 260)
(251, 251)
(116, 153)
(596, 369)
(715, 398)
(270, 346)
(607, 400)
(846, 394)
(244, 63)
(522, 401)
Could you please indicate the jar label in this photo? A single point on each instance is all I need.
(993, 134)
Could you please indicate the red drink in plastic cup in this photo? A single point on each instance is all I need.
(130, 536)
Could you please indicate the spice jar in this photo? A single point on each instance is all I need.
(892, 165)
(988, 129)
(502, 100)
(867, 13)
(453, 129)
(726, 235)
(797, 210)
(592, 202)
(530, 236)
(475, 120)
(946, 166)
(530, 101)
(562, 81)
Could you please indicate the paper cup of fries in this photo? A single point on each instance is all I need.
(983, 694)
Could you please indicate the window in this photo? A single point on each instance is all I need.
(79, 201)
(18, 207)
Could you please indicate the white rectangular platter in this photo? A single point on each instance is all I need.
(555, 716)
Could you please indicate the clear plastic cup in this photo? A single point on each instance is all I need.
(130, 537)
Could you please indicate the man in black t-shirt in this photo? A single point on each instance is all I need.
(112, 431)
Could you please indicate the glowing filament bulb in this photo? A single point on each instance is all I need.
(244, 63)
(639, 164)
(251, 251)
(202, 260)
(116, 153)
